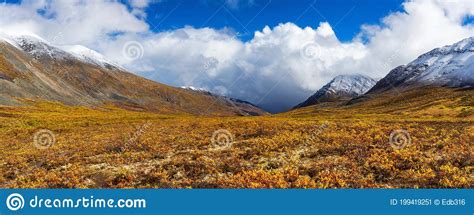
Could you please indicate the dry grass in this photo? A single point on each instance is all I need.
(339, 149)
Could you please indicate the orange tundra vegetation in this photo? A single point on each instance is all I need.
(313, 147)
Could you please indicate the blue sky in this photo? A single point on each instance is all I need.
(345, 16)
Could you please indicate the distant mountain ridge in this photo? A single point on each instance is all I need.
(245, 108)
(340, 88)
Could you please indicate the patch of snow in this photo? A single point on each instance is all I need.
(88, 55)
(197, 89)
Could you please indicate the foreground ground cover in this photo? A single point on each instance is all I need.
(51, 145)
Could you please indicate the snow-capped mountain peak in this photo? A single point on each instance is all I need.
(34, 45)
(444, 53)
(451, 66)
(351, 84)
(40, 48)
(13, 38)
(341, 87)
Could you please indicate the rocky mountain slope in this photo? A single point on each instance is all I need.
(33, 69)
(341, 88)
